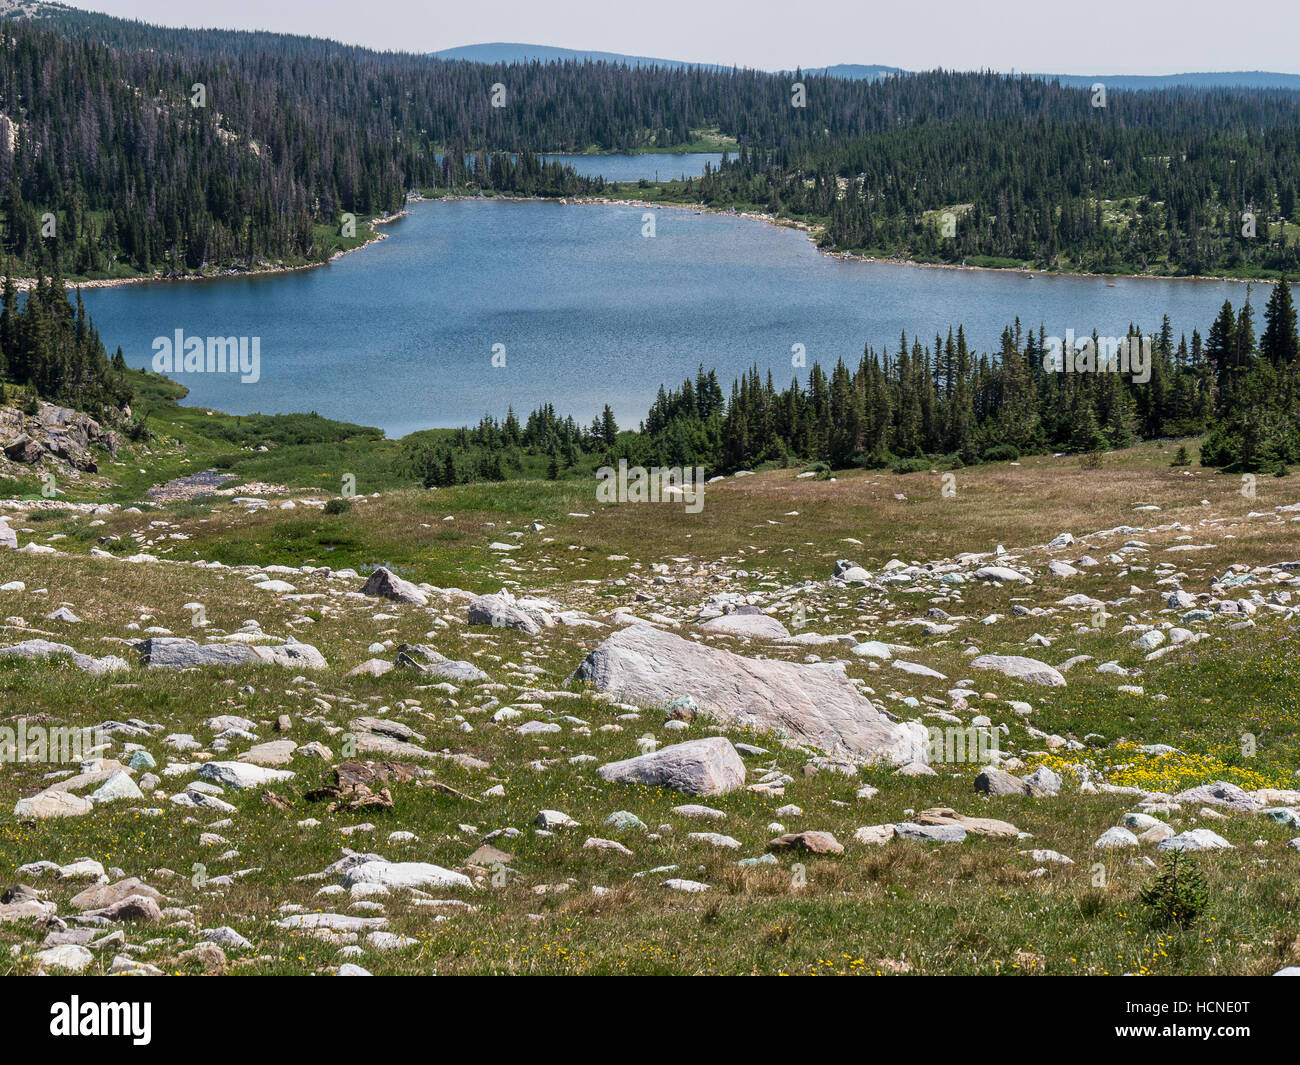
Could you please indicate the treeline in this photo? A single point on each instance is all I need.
(1256, 388)
(1091, 190)
(937, 403)
(493, 451)
(51, 349)
(99, 130)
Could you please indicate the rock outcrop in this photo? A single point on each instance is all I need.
(55, 433)
(813, 704)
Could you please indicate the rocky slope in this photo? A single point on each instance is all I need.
(308, 769)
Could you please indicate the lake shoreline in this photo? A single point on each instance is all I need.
(25, 284)
(809, 230)
(562, 288)
(848, 256)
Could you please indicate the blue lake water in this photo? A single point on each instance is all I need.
(401, 334)
(636, 167)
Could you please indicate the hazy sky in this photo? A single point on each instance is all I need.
(1057, 36)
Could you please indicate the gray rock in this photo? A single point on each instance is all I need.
(52, 804)
(917, 670)
(389, 941)
(132, 908)
(851, 573)
(1029, 670)
(118, 786)
(103, 895)
(554, 819)
(387, 584)
(874, 835)
(1045, 781)
(46, 649)
(374, 667)
(226, 936)
(595, 843)
(714, 839)
(930, 833)
(414, 875)
(1283, 816)
(1000, 573)
(1114, 838)
(813, 704)
(1197, 839)
(176, 652)
(698, 767)
(742, 623)
(696, 812)
(334, 922)
(292, 655)
(502, 610)
(70, 958)
(240, 775)
(993, 781)
(1219, 793)
(275, 752)
(428, 661)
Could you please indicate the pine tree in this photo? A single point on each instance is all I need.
(1280, 344)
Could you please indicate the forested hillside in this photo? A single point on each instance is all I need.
(131, 148)
(175, 151)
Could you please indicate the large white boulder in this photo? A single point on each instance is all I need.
(815, 704)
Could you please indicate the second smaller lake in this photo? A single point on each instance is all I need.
(638, 167)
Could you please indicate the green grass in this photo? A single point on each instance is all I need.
(971, 908)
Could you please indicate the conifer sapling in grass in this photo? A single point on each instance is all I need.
(1178, 895)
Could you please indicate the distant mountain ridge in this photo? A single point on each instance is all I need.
(512, 53)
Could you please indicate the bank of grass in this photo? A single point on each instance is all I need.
(973, 908)
(796, 528)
